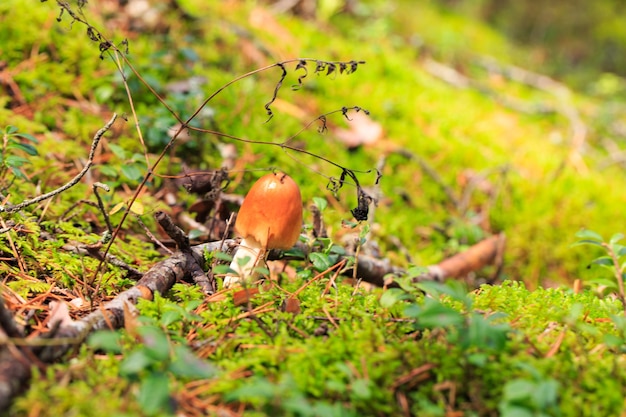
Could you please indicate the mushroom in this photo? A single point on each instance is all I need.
(269, 218)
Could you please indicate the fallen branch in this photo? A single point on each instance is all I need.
(195, 271)
(485, 252)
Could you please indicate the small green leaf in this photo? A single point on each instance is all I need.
(9, 130)
(363, 233)
(18, 173)
(108, 170)
(335, 385)
(15, 161)
(455, 289)
(118, 150)
(137, 157)
(104, 93)
(156, 343)
(187, 365)
(320, 203)
(223, 256)
(349, 224)
(171, 316)
(514, 410)
(361, 389)
(223, 269)
(27, 136)
(241, 262)
(603, 260)
(602, 281)
(305, 274)
(586, 242)
(433, 314)
(546, 394)
(137, 208)
(259, 388)
(132, 172)
(135, 362)
(117, 208)
(295, 252)
(417, 271)
(616, 248)
(588, 234)
(337, 250)
(321, 262)
(27, 147)
(195, 233)
(613, 341)
(478, 359)
(616, 238)
(519, 390)
(261, 271)
(106, 340)
(431, 288)
(324, 241)
(484, 334)
(392, 296)
(406, 283)
(154, 394)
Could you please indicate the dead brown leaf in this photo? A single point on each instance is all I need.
(362, 131)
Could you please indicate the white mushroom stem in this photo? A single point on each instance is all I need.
(249, 254)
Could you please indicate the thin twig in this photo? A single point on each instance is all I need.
(65, 216)
(96, 139)
(152, 237)
(131, 103)
(106, 188)
(6, 229)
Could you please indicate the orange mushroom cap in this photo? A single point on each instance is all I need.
(271, 212)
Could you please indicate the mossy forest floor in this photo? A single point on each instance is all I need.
(445, 130)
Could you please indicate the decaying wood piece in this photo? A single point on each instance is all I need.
(485, 252)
